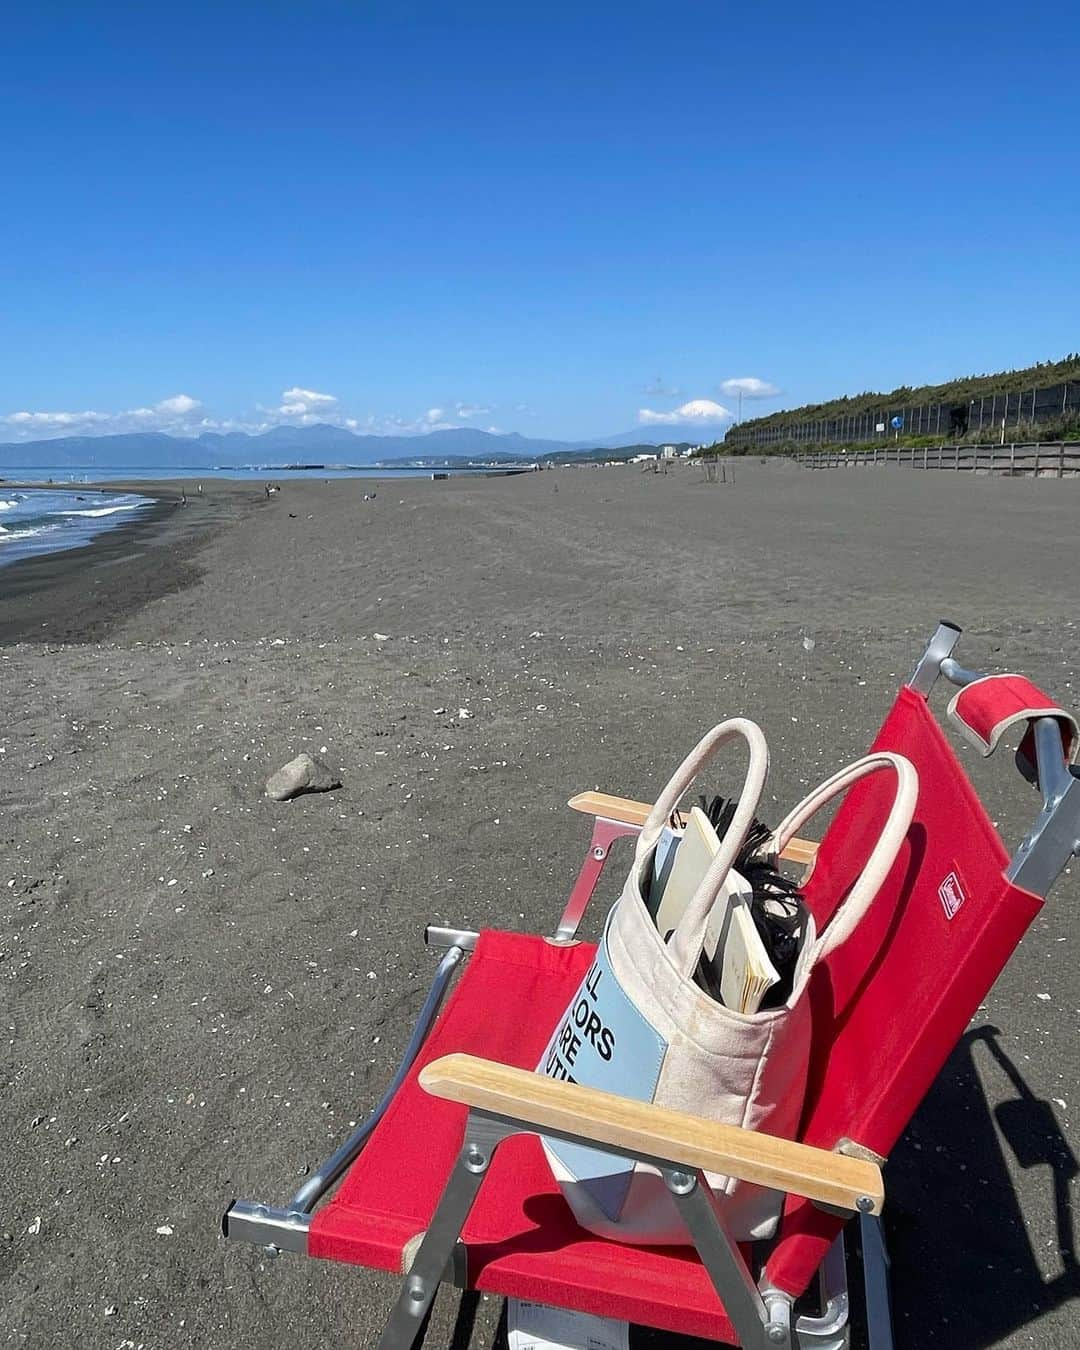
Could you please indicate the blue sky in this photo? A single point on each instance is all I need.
(553, 218)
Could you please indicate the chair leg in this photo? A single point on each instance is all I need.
(829, 1329)
(757, 1326)
(433, 1257)
(875, 1257)
(421, 1283)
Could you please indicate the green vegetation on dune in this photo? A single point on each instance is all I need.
(953, 391)
(1056, 429)
(1040, 402)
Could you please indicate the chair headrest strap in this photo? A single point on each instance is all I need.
(985, 709)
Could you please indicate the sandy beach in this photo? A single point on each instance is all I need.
(203, 989)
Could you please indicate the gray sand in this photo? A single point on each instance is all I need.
(204, 988)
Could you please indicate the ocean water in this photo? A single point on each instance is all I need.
(46, 520)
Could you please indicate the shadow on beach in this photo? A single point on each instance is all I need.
(966, 1271)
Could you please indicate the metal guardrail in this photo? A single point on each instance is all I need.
(1032, 459)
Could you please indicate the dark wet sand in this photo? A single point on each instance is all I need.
(203, 989)
(78, 595)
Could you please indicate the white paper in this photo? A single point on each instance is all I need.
(745, 969)
(535, 1326)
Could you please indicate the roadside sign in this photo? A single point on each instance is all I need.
(880, 426)
(897, 422)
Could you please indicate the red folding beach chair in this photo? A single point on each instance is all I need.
(447, 1181)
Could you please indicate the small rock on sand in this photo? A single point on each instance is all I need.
(303, 774)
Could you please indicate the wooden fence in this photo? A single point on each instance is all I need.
(1043, 459)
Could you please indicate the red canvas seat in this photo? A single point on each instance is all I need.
(521, 1237)
(889, 1006)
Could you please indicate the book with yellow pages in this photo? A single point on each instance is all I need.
(735, 964)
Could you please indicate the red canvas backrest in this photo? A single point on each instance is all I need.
(891, 1003)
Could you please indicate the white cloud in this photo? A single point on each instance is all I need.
(311, 396)
(55, 420)
(224, 424)
(749, 386)
(179, 403)
(432, 419)
(393, 425)
(171, 415)
(297, 402)
(699, 411)
(304, 407)
(183, 415)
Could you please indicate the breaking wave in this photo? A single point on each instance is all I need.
(45, 520)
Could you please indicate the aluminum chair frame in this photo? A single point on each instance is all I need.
(763, 1317)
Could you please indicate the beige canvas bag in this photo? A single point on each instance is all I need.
(639, 1025)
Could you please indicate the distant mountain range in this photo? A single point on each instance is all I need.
(320, 444)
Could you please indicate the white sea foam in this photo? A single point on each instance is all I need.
(49, 519)
(104, 510)
(11, 535)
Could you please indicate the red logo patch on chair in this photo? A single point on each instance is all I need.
(951, 894)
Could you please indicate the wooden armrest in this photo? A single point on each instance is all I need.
(640, 1127)
(629, 812)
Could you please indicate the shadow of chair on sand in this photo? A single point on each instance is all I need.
(972, 1260)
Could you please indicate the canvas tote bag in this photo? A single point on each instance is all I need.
(639, 1026)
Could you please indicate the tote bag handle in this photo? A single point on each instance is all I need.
(686, 943)
(882, 856)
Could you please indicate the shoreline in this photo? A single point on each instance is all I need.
(81, 594)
